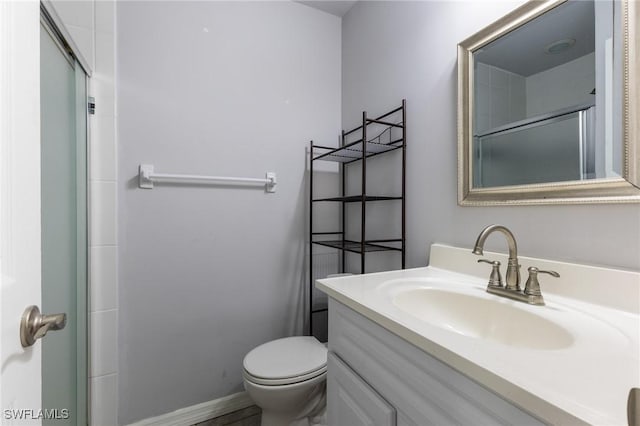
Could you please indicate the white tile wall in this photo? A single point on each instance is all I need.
(103, 153)
(104, 343)
(517, 97)
(103, 316)
(104, 400)
(500, 97)
(499, 78)
(500, 104)
(91, 24)
(104, 291)
(563, 86)
(105, 16)
(105, 60)
(103, 210)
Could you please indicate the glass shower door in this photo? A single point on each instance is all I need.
(64, 230)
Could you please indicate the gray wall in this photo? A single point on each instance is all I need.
(392, 50)
(208, 272)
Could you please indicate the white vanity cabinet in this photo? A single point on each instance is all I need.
(377, 378)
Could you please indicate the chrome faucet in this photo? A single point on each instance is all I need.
(513, 269)
(531, 293)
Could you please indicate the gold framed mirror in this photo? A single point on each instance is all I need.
(530, 129)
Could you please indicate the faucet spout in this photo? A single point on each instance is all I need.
(513, 268)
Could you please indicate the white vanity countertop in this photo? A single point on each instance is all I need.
(587, 381)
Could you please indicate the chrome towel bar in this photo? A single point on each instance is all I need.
(147, 177)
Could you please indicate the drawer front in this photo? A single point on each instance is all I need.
(351, 401)
(424, 390)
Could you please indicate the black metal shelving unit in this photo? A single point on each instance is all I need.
(359, 151)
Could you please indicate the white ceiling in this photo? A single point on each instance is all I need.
(338, 8)
(523, 50)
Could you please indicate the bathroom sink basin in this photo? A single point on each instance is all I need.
(479, 317)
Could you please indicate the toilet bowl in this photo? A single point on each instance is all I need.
(286, 378)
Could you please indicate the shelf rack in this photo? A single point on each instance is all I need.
(352, 152)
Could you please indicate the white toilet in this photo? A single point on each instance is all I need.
(287, 379)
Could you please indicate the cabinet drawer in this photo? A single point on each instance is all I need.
(351, 401)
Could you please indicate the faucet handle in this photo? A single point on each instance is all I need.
(532, 287)
(552, 273)
(495, 279)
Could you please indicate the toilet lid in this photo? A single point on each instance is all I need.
(285, 358)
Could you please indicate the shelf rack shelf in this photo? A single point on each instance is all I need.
(358, 198)
(357, 246)
(353, 151)
(359, 151)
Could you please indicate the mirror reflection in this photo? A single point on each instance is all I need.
(547, 99)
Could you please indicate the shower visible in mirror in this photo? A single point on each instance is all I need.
(547, 100)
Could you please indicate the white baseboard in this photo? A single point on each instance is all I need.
(200, 412)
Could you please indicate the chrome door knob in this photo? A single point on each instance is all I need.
(34, 325)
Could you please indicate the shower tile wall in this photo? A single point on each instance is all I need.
(503, 97)
(565, 85)
(91, 26)
(104, 307)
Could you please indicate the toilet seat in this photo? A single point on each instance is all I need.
(286, 361)
(284, 381)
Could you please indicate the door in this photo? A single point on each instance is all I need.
(43, 215)
(20, 369)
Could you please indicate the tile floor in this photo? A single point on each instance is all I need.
(247, 417)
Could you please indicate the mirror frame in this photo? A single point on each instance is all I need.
(625, 189)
